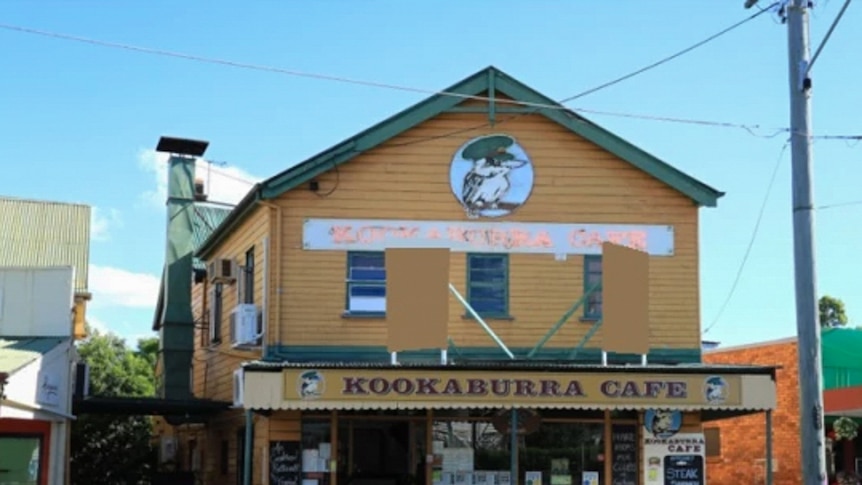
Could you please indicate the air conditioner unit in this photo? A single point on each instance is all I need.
(243, 326)
(221, 270)
(237, 387)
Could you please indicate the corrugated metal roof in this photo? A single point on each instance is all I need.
(514, 365)
(15, 353)
(43, 233)
(204, 222)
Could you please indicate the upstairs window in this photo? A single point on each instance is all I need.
(488, 284)
(215, 316)
(248, 277)
(593, 276)
(366, 283)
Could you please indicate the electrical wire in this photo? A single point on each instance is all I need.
(537, 106)
(751, 240)
(669, 58)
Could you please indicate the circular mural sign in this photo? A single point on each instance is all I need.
(662, 423)
(491, 176)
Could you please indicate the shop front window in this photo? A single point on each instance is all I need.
(19, 460)
(469, 452)
(316, 451)
(563, 453)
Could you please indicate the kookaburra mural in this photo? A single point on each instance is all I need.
(491, 176)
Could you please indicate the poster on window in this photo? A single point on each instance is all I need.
(674, 460)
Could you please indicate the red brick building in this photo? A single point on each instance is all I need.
(739, 453)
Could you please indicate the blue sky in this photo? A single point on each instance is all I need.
(78, 119)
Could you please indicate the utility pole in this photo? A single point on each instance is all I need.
(807, 314)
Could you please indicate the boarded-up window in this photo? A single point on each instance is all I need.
(712, 436)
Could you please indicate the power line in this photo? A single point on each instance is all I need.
(751, 241)
(668, 58)
(751, 128)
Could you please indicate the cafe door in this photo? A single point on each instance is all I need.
(383, 452)
(24, 452)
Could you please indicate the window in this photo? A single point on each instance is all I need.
(712, 436)
(593, 276)
(248, 277)
(488, 284)
(22, 459)
(366, 283)
(215, 312)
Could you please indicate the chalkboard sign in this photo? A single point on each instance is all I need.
(683, 470)
(624, 454)
(285, 465)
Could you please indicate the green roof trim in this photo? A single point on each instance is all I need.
(206, 218)
(17, 352)
(489, 79)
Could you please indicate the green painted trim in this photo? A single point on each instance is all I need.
(373, 136)
(347, 282)
(160, 304)
(492, 93)
(699, 192)
(563, 319)
(587, 258)
(355, 353)
(505, 257)
(473, 85)
(236, 216)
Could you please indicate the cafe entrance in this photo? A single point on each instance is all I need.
(376, 449)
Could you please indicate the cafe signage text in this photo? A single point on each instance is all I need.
(538, 388)
(470, 236)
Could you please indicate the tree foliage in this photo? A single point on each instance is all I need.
(110, 449)
(832, 312)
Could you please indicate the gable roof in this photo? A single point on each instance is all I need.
(205, 219)
(39, 233)
(489, 80)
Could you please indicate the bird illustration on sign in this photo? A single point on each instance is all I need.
(491, 176)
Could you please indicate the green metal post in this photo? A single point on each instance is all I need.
(492, 105)
(513, 445)
(587, 337)
(246, 452)
(562, 321)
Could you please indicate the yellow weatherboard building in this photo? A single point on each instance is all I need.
(285, 319)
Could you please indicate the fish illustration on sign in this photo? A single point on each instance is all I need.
(496, 166)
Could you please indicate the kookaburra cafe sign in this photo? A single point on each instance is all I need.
(490, 177)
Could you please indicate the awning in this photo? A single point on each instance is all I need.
(17, 352)
(720, 390)
(846, 401)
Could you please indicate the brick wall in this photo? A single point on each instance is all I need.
(743, 442)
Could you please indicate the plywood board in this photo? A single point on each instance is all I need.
(417, 298)
(625, 299)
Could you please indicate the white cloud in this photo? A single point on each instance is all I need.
(97, 324)
(112, 287)
(222, 184)
(102, 222)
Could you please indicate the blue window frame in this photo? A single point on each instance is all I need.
(593, 275)
(366, 283)
(488, 284)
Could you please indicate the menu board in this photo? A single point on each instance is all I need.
(683, 470)
(624, 454)
(285, 467)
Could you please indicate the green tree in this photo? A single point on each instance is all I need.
(114, 449)
(832, 312)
